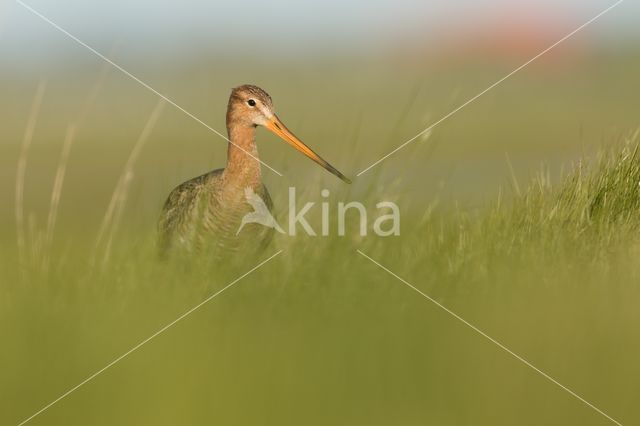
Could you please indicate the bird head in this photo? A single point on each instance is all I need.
(250, 106)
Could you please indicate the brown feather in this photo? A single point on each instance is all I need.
(204, 213)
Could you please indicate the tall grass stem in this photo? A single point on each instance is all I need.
(21, 170)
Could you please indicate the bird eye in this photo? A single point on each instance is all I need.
(251, 102)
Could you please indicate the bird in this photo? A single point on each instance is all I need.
(206, 213)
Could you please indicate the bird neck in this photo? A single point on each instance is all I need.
(243, 167)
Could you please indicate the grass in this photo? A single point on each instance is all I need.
(320, 335)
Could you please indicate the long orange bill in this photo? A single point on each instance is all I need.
(278, 127)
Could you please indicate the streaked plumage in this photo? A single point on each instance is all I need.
(206, 212)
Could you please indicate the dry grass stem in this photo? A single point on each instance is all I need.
(21, 170)
(56, 193)
(113, 213)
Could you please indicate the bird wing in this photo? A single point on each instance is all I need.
(178, 210)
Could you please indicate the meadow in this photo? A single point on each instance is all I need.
(520, 214)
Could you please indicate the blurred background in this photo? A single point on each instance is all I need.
(353, 79)
(320, 338)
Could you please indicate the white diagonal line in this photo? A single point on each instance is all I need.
(571, 34)
(142, 83)
(492, 340)
(139, 345)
